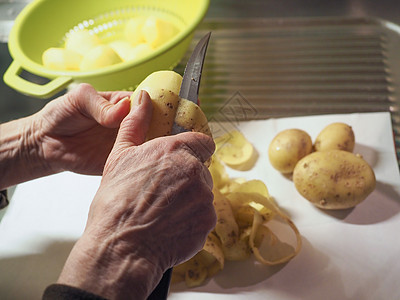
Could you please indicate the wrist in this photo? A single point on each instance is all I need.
(102, 269)
(20, 158)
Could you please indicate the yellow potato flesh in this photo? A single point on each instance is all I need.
(243, 215)
(99, 57)
(168, 108)
(235, 150)
(140, 51)
(122, 48)
(133, 30)
(61, 59)
(140, 36)
(334, 179)
(156, 31)
(81, 41)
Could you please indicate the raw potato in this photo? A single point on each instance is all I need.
(61, 59)
(168, 108)
(139, 51)
(133, 30)
(157, 31)
(287, 148)
(99, 57)
(334, 179)
(141, 36)
(81, 41)
(335, 136)
(122, 48)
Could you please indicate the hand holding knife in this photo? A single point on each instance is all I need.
(190, 91)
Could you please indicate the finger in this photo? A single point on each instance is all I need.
(134, 127)
(206, 177)
(200, 145)
(115, 96)
(93, 105)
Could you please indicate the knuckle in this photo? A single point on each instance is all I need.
(84, 87)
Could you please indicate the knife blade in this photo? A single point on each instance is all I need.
(194, 67)
(189, 90)
(192, 75)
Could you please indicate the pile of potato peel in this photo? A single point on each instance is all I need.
(244, 211)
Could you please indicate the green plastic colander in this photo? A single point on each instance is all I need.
(44, 23)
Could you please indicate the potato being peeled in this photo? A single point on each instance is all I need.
(334, 179)
(287, 148)
(335, 136)
(168, 108)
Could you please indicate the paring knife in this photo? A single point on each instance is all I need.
(190, 91)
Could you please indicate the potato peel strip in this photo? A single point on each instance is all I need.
(244, 208)
(257, 223)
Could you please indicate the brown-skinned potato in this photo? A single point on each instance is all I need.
(334, 179)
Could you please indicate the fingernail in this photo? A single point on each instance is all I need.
(123, 100)
(138, 99)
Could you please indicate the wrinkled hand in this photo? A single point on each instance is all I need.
(153, 210)
(76, 131)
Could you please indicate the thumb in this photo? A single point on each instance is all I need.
(134, 127)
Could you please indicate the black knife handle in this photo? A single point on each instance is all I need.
(162, 289)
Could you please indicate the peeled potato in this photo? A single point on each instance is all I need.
(61, 59)
(123, 48)
(157, 31)
(338, 136)
(139, 51)
(99, 57)
(128, 52)
(168, 108)
(133, 30)
(81, 41)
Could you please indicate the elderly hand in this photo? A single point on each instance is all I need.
(74, 132)
(153, 210)
(77, 131)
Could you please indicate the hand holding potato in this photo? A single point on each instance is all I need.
(74, 132)
(141, 220)
(168, 108)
